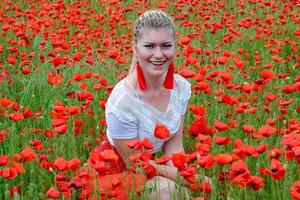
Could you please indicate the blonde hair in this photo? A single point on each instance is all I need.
(151, 19)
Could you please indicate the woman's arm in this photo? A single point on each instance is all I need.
(125, 152)
(175, 144)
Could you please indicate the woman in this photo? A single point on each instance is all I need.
(151, 94)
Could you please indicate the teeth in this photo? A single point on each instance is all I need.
(158, 63)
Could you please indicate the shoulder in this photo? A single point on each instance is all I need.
(183, 93)
(120, 103)
(117, 98)
(117, 93)
(182, 84)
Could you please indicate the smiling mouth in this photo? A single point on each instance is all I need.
(157, 63)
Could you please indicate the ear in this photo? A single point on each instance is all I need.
(134, 48)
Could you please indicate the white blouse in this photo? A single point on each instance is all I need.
(128, 117)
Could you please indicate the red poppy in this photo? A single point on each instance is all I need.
(283, 102)
(261, 148)
(54, 79)
(295, 190)
(275, 153)
(78, 122)
(3, 135)
(162, 160)
(18, 166)
(36, 144)
(203, 149)
(77, 56)
(206, 139)
(9, 173)
(255, 183)
(147, 144)
(73, 164)
(271, 97)
(73, 110)
(61, 129)
(109, 155)
(27, 113)
(11, 60)
(48, 133)
(6, 102)
(113, 53)
(219, 140)
(102, 103)
(132, 143)
(221, 126)
(198, 198)
(101, 167)
(26, 70)
(161, 131)
(198, 126)
(27, 154)
(204, 86)
(53, 193)
(277, 169)
(179, 159)
(187, 74)
(266, 131)
(58, 122)
(149, 170)
(61, 164)
(277, 58)
(223, 159)
(239, 172)
(77, 183)
(184, 40)
(229, 99)
(4, 160)
(189, 173)
(16, 116)
(206, 161)
(57, 61)
(198, 110)
(202, 187)
(249, 129)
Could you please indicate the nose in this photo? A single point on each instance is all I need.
(158, 53)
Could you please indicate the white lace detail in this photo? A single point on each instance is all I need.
(127, 107)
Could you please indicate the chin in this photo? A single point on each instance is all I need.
(158, 72)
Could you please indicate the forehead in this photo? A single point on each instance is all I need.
(156, 35)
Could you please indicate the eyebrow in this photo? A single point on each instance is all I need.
(169, 42)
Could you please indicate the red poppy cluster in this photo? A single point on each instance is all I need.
(59, 62)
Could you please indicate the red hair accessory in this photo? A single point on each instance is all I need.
(168, 83)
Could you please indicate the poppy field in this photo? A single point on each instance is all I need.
(59, 61)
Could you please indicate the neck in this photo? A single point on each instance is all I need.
(153, 83)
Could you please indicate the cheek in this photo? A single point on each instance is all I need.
(142, 53)
(171, 54)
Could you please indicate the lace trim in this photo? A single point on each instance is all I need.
(135, 97)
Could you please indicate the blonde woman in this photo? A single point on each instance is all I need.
(151, 94)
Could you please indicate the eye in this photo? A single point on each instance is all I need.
(148, 46)
(167, 45)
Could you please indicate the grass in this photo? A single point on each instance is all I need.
(34, 92)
